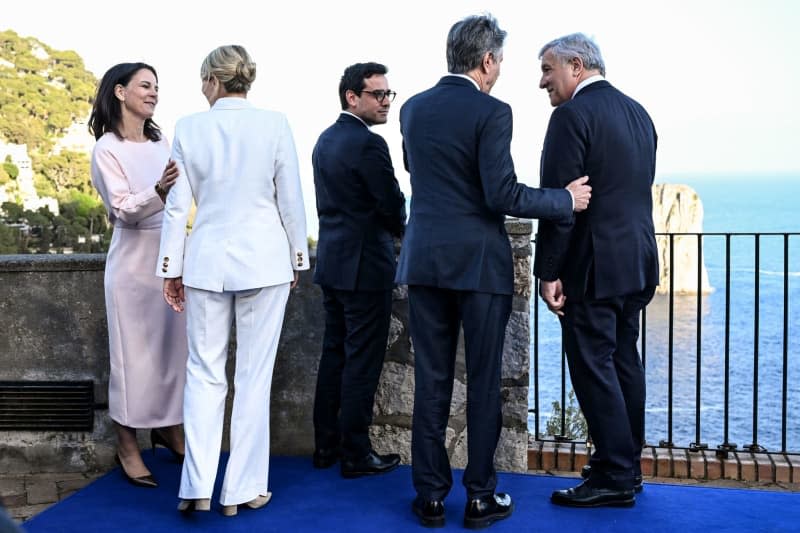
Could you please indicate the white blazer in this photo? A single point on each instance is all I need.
(239, 164)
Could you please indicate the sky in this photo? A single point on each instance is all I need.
(718, 77)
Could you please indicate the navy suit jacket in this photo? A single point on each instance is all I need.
(360, 208)
(610, 248)
(456, 146)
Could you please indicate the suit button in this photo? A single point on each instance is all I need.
(164, 270)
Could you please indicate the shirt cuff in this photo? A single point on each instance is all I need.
(572, 197)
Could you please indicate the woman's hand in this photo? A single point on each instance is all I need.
(168, 178)
(174, 293)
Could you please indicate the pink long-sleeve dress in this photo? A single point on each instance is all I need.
(147, 339)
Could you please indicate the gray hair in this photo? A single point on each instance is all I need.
(576, 45)
(232, 66)
(469, 40)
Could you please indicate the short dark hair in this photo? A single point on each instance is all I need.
(468, 41)
(107, 111)
(354, 76)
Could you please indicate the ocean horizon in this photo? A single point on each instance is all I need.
(753, 203)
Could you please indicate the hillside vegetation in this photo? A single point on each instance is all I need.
(44, 91)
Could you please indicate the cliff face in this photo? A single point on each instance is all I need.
(678, 209)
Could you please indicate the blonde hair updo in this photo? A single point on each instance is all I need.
(232, 66)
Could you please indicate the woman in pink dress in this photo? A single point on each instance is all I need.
(147, 341)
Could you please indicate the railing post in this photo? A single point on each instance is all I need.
(755, 447)
(698, 445)
(671, 325)
(726, 446)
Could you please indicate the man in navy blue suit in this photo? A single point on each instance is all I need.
(599, 270)
(361, 210)
(456, 260)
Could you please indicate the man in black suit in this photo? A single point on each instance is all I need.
(360, 209)
(456, 260)
(599, 270)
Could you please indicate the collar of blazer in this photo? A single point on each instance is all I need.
(601, 84)
(230, 102)
(348, 117)
(454, 79)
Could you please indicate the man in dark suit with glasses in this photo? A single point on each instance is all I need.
(361, 210)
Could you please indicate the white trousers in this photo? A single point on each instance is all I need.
(209, 315)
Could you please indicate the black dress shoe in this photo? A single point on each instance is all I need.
(325, 457)
(483, 512)
(430, 512)
(371, 464)
(585, 495)
(147, 482)
(586, 471)
(157, 439)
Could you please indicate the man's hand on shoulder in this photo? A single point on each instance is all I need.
(581, 193)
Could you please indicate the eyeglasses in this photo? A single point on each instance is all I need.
(380, 94)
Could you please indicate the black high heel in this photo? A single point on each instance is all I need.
(156, 439)
(148, 482)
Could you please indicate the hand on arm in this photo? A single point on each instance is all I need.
(174, 293)
(581, 193)
(167, 180)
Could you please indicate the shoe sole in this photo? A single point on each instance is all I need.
(636, 488)
(351, 475)
(481, 523)
(427, 521)
(613, 503)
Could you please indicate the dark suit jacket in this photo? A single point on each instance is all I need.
(609, 249)
(360, 208)
(456, 146)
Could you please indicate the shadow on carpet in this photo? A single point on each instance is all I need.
(307, 499)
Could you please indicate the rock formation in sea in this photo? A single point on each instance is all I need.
(678, 209)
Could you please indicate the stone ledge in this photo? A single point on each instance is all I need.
(677, 463)
(52, 262)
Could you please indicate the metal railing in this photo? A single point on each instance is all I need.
(721, 341)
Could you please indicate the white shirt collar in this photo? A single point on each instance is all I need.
(356, 116)
(587, 81)
(466, 78)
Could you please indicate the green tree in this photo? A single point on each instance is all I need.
(10, 168)
(9, 239)
(13, 212)
(575, 427)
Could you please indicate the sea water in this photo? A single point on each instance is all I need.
(756, 351)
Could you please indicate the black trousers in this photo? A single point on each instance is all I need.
(353, 349)
(600, 338)
(435, 317)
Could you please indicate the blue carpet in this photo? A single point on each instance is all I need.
(306, 499)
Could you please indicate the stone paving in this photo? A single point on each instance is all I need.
(25, 495)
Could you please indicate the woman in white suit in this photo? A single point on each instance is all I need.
(247, 243)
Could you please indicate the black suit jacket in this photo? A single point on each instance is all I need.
(609, 249)
(456, 146)
(360, 208)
